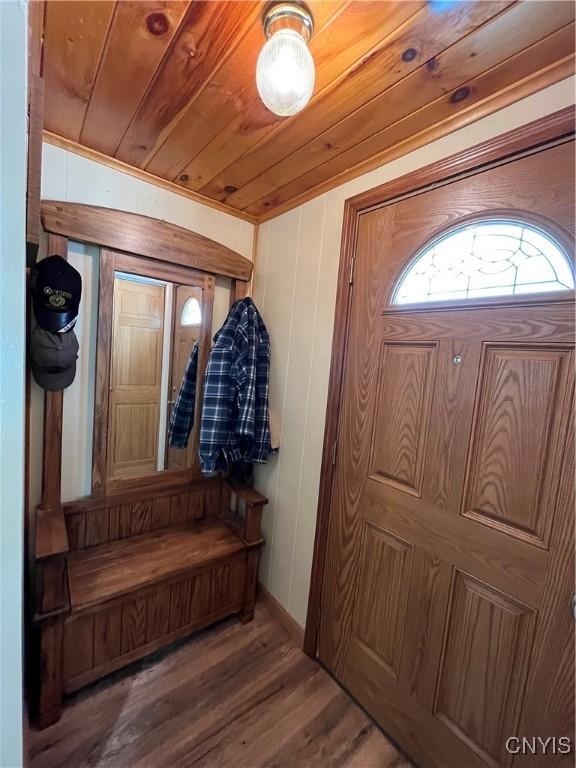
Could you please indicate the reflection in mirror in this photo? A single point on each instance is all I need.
(154, 327)
(186, 332)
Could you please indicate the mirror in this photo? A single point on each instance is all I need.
(154, 327)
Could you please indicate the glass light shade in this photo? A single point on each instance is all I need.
(285, 73)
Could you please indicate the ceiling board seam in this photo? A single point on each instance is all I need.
(414, 72)
(273, 132)
(155, 74)
(118, 165)
(424, 137)
(337, 13)
(97, 71)
(329, 86)
(177, 119)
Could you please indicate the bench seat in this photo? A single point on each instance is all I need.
(108, 571)
(119, 577)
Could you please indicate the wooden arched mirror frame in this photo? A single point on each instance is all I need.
(139, 245)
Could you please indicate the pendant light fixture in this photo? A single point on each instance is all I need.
(285, 69)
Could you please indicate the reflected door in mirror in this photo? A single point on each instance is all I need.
(135, 391)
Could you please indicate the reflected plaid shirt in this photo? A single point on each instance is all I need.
(235, 422)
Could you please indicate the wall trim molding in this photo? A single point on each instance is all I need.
(535, 136)
(118, 165)
(281, 615)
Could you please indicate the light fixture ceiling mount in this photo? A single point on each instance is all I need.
(285, 69)
(288, 16)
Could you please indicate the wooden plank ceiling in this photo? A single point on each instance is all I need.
(169, 87)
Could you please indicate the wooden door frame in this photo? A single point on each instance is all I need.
(528, 139)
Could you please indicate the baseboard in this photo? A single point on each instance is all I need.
(281, 615)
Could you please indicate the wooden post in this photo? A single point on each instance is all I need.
(238, 290)
(51, 666)
(52, 603)
(252, 560)
(53, 411)
(252, 536)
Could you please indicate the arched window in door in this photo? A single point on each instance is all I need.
(487, 258)
(191, 312)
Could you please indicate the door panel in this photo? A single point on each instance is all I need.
(137, 332)
(450, 546)
(405, 379)
(521, 418)
(484, 667)
(386, 565)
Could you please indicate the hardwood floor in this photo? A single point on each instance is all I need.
(231, 697)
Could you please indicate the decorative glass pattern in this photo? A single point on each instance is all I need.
(486, 258)
(191, 312)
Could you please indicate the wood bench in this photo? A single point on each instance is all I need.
(119, 577)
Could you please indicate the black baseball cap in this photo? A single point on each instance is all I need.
(56, 290)
(53, 358)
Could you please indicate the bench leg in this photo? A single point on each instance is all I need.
(51, 686)
(252, 561)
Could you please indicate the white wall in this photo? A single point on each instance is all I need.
(12, 344)
(295, 288)
(70, 177)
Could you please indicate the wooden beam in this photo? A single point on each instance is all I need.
(35, 112)
(52, 449)
(36, 12)
(53, 410)
(238, 290)
(102, 381)
(35, 121)
(144, 236)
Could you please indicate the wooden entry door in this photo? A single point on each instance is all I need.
(446, 605)
(187, 310)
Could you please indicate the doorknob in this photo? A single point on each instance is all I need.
(574, 605)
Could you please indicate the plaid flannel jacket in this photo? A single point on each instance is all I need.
(235, 423)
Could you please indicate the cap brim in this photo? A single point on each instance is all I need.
(52, 321)
(53, 381)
